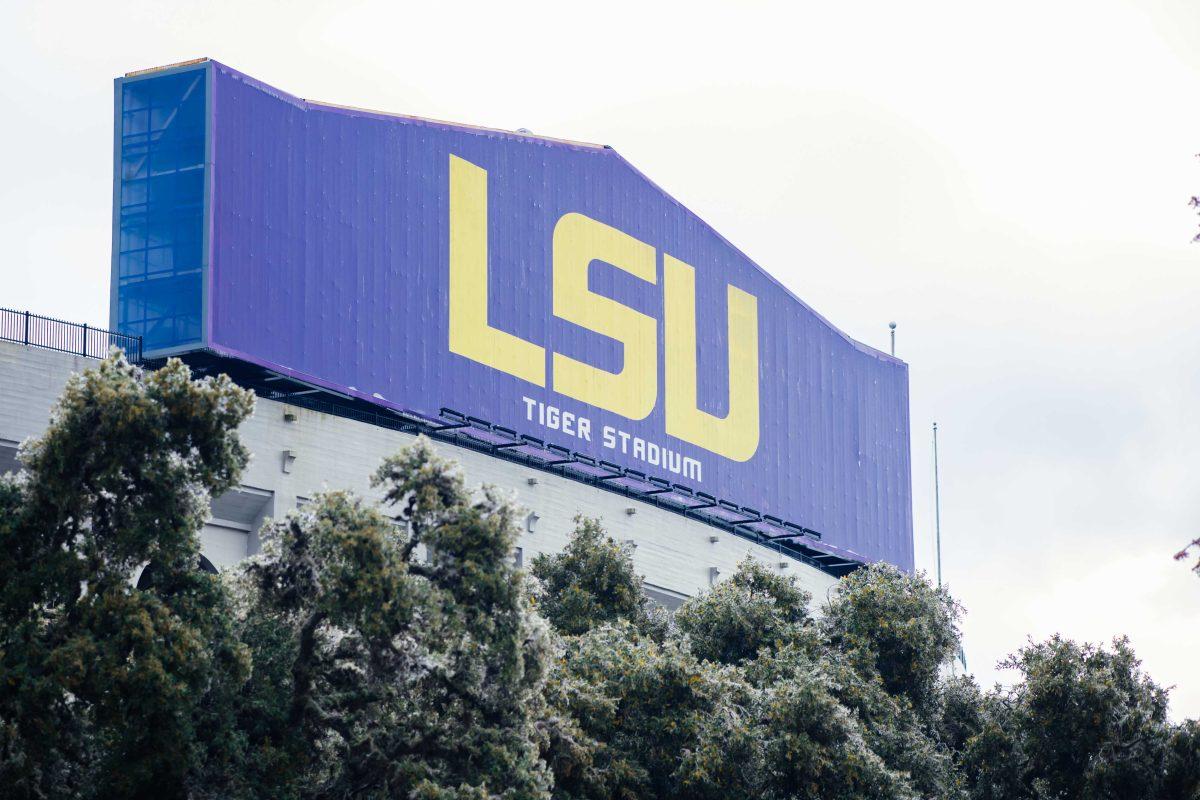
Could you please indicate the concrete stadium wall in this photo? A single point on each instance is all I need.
(298, 453)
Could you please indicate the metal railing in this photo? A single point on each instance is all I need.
(79, 339)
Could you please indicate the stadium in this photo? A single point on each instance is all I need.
(553, 320)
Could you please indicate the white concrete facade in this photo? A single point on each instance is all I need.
(298, 452)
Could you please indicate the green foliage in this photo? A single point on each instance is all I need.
(1084, 722)
(913, 759)
(755, 608)
(107, 690)
(743, 696)
(898, 624)
(642, 705)
(393, 650)
(960, 711)
(814, 746)
(404, 678)
(591, 582)
(1181, 765)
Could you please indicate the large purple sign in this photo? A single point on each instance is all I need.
(543, 285)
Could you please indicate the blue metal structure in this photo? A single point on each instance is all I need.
(160, 207)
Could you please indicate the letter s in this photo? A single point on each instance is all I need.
(632, 392)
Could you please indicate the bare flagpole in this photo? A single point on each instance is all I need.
(937, 507)
(937, 526)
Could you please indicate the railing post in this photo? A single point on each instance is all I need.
(85, 340)
(26, 328)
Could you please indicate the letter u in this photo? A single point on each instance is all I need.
(735, 435)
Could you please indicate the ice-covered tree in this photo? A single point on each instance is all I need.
(592, 581)
(404, 677)
(896, 625)
(108, 690)
(743, 696)
(755, 608)
(1082, 723)
(393, 650)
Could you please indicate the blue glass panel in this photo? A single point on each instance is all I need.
(160, 256)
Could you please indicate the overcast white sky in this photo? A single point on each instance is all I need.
(1008, 181)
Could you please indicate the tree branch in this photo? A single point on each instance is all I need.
(302, 677)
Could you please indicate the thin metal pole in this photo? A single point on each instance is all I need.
(937, 507)
(892, 325)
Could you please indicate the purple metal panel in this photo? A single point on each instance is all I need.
(330, 262)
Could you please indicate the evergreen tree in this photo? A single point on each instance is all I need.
(393, 650)
(1084, 723)
(591, 582)
(406, 678)
(753, 609)
(107, 690)
(744, 696)
(897, 626)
